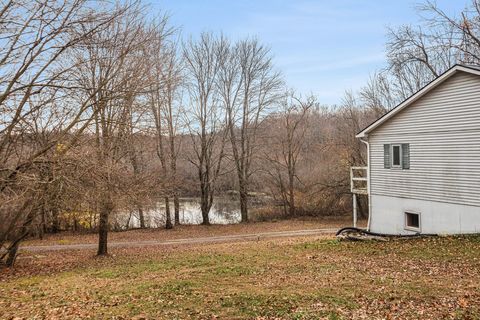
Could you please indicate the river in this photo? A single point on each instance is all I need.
(225, 210)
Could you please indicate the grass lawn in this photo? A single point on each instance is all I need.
(303, 278)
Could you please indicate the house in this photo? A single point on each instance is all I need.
(423, 173)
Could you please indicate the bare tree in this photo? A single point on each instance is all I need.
(458, 35)
(113, 62)
(171, 114)
(378, 94)
(206, 121)
(249, 85)
(165, 108)
(417, 55)
(37, 38)
(287, 145)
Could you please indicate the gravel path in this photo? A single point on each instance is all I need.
(215, 239)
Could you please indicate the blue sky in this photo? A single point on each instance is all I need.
(322, 47)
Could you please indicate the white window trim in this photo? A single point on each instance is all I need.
(400, 166)
(410, 228)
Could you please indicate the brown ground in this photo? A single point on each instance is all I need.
(315, 277)
(194, 231)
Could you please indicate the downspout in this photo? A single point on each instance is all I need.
(368, 182)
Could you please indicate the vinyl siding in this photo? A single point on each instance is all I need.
(443, 130)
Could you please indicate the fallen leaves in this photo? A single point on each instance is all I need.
(276, 279)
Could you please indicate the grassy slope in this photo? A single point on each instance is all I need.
(283, 279)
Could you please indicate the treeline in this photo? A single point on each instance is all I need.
(106, 109)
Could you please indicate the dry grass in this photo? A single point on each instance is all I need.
(309, 278)
(192, 231)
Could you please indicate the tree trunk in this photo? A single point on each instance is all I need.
(205, 208)
(43, 228)
(168, 218)
(176, 207)
(283, 193)
(141, 217)
(127, 225)
(102, 233)
(13, 248)
(205, 218)
(291, 203)
(291, 195)
(12, 256)
(55, 221)
(361, 209)
(105, 210)
(243, 201)
(173, 169)
(244, 206)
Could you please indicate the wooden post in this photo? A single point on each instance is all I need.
(354, 210)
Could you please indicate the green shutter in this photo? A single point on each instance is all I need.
(405, 156)
(386, 156)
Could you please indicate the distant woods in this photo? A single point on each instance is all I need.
(106, 110)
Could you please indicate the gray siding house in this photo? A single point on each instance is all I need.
(424, 159)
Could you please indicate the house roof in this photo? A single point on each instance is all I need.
(473, 69)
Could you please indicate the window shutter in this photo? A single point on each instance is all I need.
(405, 156)
(386, 156)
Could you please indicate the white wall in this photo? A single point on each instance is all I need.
(443, 130)
(435, 217)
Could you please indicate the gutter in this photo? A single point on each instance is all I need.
(368, 181)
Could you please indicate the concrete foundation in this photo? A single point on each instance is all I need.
(388, 216)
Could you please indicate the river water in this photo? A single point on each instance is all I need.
(225, 210)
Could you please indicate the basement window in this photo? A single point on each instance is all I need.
(412, 221)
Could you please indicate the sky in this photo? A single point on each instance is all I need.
(322, 47)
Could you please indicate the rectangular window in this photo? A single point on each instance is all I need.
(412, 221)
(396, 156)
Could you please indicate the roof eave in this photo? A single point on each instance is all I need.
(415, 97)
